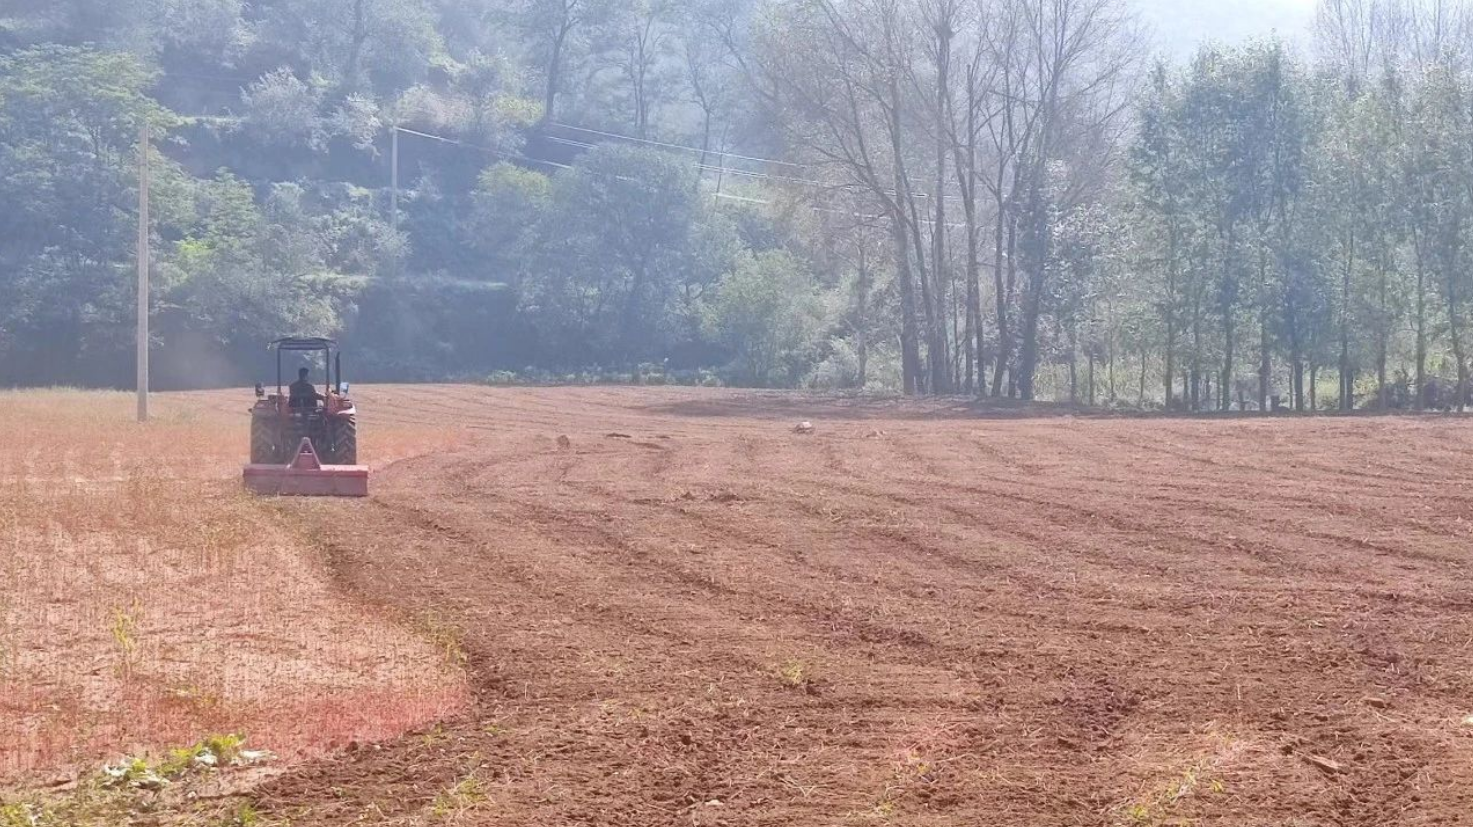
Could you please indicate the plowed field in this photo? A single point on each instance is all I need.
(671, 608)
(674, 609)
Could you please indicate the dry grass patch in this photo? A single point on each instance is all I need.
(146, 600)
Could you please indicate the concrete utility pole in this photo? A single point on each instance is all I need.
(143, 273)
(394, 179)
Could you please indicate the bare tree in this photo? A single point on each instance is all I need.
(838, 75)
(1081, 52)
(712, 74)
(1354, 36)
(551, 27)
(963, 131)
(640, 40)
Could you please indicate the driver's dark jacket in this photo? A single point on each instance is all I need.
(303, 394)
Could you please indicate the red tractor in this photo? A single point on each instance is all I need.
(329, 420)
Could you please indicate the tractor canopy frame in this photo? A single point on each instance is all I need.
(312, 344)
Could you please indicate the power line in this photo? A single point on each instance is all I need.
(396, 131)
(570, 142)
(719, 195)
(499, 152)
(724, 170)
(703, 167)
(734, 171)
(745, 199)
(708, 167)
(851, 214)
(666, 145)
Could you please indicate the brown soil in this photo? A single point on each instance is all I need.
(688, 613)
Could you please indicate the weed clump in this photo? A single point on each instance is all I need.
(214, 752)
(120, 792)
(466, 796)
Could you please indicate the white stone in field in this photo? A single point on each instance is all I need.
(804, 427)
(255, 756)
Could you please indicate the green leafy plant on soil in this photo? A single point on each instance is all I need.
(466, 795)
(165, 788)
(213, 752)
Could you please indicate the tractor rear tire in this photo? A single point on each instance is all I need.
(263, 441)
(345, 441)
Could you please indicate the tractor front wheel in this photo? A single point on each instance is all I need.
(263, 440)
(345, 441)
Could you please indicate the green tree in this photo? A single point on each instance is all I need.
(1159, 205)
(1357, 203)
(509, 202)
(376, 46)
(1437, 160)
(245, 275)
(768, 314)
(610, 253)
(558, 35)
(69, 121)
(283, 110)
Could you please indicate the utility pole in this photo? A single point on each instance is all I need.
(394, 178)
(721, 170)
(143, 273)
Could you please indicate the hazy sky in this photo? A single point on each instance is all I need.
(1180, 25)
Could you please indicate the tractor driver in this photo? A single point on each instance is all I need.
(303, 393)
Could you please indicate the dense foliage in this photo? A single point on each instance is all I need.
(997, 197)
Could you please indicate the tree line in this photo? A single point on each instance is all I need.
(1300, 220)
(1064, 217)
(993, 197)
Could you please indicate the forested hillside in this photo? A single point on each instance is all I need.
(1000, 197)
